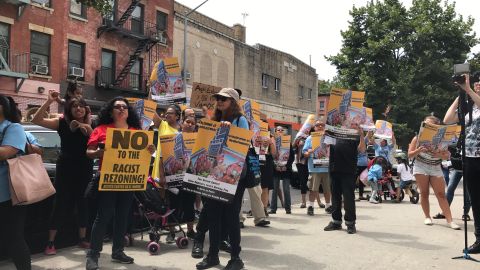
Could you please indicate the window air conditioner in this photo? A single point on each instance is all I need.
(76, 72)
(40, 69)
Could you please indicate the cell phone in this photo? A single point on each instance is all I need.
(461, 69)
(101, 145)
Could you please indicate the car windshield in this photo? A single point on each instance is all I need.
(50, 142)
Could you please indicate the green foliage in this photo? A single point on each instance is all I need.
(102, 6)
(404, 58)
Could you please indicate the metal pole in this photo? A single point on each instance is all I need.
(184, 73)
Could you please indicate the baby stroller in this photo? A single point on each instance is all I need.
(408, 187)
(155, 209)
(386, 188)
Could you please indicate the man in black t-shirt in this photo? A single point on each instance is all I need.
(343, 166)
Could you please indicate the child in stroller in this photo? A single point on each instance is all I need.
(380, 180)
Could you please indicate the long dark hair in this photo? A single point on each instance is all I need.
(71, 88)
(105, 114)
(235, 109)
(9, 109)
(68, 109)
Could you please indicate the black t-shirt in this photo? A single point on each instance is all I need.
(343, 156)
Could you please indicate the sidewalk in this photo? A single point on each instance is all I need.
(390, 236)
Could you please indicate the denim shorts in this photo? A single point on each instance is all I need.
(404, 184)
(426, 169)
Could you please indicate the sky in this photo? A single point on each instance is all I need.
(306, 29)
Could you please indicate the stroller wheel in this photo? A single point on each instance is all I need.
(153, 248)
(402, 195)
(415, 197)
(182, 242)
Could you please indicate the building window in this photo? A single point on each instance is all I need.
(137, 20)
(4, 42)
(136, 75)
(76, 55)
(300, 91)
(162, 21)
(45, 3)
(264, 81)
(322, 105)
(309, 94)
(78, 9)
(108, 67)
(277, 84)
(39, 49)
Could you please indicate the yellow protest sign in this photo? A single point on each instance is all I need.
(437, 137)
(321, 151)
(283, 149)
(126, 160)
(384, 129)
(145, 109)
(166, 84)
(345, 114)
(217, 160)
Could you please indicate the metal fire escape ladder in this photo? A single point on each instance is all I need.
(142, 46)
(127, 13)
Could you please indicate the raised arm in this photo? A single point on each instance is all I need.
(361, 146)
(451, 117)
(39, 118)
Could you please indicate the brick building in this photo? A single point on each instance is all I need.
(322, 105)
(48, 43)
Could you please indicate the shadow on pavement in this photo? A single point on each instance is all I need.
(399, 239)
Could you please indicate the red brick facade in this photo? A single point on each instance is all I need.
(322, 105)
(62, 26)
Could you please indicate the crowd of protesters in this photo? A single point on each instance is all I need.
(83, 139)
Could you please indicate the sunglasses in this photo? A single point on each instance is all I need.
(120, 107)
(280, 130)
(221, 98)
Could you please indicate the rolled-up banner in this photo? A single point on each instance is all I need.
(307, 126)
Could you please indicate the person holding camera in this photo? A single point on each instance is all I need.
(471, 163)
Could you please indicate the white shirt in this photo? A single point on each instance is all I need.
(405, 174)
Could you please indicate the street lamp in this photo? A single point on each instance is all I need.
(184, 73)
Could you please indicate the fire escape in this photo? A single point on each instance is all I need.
(146, 36)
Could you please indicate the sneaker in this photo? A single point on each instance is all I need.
(191, 234)
(250, 214)
(332, 227)
(225, 246)
(242, 225)
(321, 205)
(84, 244)
(303, 205)
(310, 210)
(454, 225)
(466, 218)
(121, 257)
(329, 209)
(475, 248)
(288, 211)
(234, 264)
(362, 198)
(263, 223)
(272, 212)
(372, 200)
(428, 221)
(207, 262)
(439, 216)
(50, 250)
(170, 238)
(92, 263)
(197, 250)
(351, 229)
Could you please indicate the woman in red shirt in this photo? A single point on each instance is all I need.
(111, 204)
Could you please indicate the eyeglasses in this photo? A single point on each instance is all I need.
(281, 130)
(120, 107)
(221, 98)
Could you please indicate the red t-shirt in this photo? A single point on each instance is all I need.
(99, 135)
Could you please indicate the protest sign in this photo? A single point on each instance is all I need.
(437, 137)
(345, 114)
(166, 84)
(217, 160)
(321, 151)
(126, 160)
(282, 144)
(307, 126)
(368, 124)
(145, 109)
(202, 95)
(383, 129)
(174, 160)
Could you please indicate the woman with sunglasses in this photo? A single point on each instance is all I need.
(73, 169)
(111, 204)
(219, 214)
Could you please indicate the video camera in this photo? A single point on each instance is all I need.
(460, 69)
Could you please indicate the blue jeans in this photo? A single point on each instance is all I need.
(455, 177)
(286, 190)
(446, 175)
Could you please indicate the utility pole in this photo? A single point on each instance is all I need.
(244, 15)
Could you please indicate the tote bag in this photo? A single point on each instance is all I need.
(29, 181)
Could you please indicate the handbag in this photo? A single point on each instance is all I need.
(29, 181)
(251, 169)
(456, 156)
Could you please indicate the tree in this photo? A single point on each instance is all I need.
(403, 59)
(102, 6)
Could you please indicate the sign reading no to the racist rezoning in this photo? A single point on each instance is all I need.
(126, 160)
